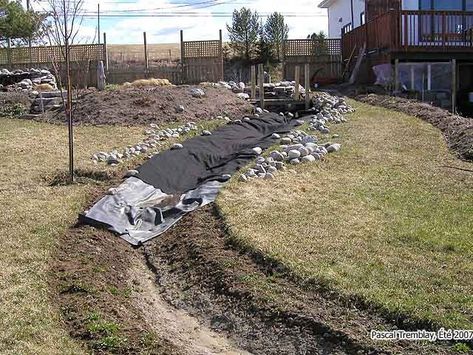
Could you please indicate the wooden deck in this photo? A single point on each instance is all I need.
(413, 31)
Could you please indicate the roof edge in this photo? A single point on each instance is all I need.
(325, 4)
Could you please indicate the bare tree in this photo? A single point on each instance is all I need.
(66, 17)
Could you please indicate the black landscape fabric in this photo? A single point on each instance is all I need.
(207, 158)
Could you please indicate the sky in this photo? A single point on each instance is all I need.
(124, 21)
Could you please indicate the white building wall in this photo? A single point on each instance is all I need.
(339, 15)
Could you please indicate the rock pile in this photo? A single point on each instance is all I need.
(283, 89)
(27, 80)
(330, 110)
(148, 147)
(296, 148)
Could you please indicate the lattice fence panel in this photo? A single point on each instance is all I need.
(202, 49)
(309, 47)
(39, 55)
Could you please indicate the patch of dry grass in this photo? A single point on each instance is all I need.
(33, 215)
(133, 53)
(389, 218)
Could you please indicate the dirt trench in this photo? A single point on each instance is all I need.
(193, 291)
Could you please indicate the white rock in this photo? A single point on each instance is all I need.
(286, 141)
(304, 151)
(308, 159)
(177, 146)
(257, 150)
(294, 161)
(275, 136)
(334, 148)
(293, 154)
(269, 176)
(206, 133)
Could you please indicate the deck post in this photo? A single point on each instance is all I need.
(454, 85)
(297, 78)
(396, 75)
(261, 85)
(307, 85)
(253, 82)
(413, 84)
(429, 77)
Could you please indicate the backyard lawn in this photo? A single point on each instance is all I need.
(388, 219)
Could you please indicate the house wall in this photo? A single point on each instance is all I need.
(339, 15)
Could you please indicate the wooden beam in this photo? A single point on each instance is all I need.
(297, 78)
(429, 77)
(261, 85)
(396, 75)
(145, 46)
(253, 82)
(454, 85)
(307, 85)
(221, 71)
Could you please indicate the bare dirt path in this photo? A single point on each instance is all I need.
(175, 325)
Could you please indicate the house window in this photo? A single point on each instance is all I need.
(363, 18)
(347, 28)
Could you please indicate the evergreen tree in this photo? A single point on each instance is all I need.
(16, 23)
(244, 33)
(276, 31)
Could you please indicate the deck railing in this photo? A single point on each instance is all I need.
(398, 31)
(436, 30)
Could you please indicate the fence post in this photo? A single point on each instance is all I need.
(9, 61)
(222, 72)
(183, 70)
(261, 85)
(145, 46)
(253, 82)
(105, 51)
(307, 85)
(284, 60)
(297, 78)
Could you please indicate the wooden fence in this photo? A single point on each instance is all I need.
(323, 56)
(202, 60)
(46, 54)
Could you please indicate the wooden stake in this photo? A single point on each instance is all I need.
(297, 76)
(396, 75)
(261, 85)
(253, 82)
(145, 44)
(454, 85)
(307, 85)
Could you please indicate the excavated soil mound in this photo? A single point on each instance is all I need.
(458, 131)
(138, 106)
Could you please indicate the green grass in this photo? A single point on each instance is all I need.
(388, 219)
(34, 214)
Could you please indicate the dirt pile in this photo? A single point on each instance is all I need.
(139, 106)
(458, 131)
